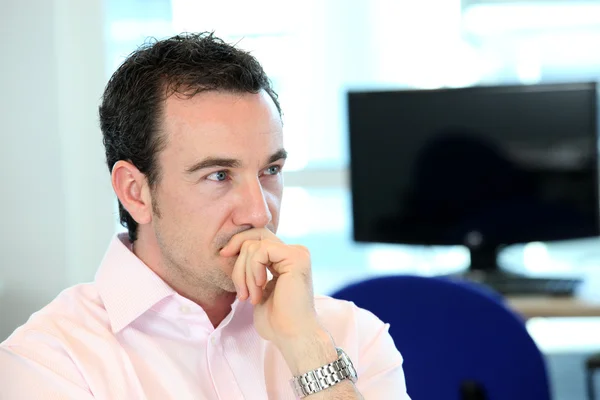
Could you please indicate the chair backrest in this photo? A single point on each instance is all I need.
(451, 334)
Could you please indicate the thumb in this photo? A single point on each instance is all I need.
(268, 290)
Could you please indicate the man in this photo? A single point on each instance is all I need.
(182, 306)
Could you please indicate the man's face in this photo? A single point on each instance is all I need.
(220, 174)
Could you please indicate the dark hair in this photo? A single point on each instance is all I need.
(133, 100)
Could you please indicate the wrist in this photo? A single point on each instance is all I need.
(307, 351)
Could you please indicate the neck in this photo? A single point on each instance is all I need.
(216, 305)
(215, 302)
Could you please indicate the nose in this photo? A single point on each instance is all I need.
(252, 207)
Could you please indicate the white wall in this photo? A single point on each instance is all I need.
(56, 204)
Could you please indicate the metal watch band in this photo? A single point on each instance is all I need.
(323, 377)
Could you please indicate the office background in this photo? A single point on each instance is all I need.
(58, 211)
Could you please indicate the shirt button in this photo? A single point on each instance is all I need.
(185, 309)
(213, 340)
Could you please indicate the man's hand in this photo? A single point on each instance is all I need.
(284, 311)
(284, 307)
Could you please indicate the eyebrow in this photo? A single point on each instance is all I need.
(211, 162)
(280, 154)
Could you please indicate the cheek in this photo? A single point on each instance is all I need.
(219, 210)
(197, 208)
(171, 196)
(214, 211)
(273, 198)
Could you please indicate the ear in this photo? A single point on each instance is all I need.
(131, 187)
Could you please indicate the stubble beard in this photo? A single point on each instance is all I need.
(204, 275)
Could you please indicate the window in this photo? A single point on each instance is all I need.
(536, 41)
(314, 51)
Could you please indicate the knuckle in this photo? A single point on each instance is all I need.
(253, 246)
(303, 250)
(245, 245)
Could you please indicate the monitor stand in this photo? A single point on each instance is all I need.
(484, 265)
(484, 269)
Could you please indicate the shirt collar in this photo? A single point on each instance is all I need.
(127, 287)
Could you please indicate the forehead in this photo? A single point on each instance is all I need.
(221, 124)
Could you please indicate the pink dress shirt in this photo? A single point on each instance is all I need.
(129, 336)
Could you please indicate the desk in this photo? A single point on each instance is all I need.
(585, 302)
(546, 306)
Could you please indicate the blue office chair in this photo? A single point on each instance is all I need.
(458, 341)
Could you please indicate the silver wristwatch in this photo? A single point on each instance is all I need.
(323, 377)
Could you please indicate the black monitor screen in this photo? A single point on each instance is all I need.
(481, 166)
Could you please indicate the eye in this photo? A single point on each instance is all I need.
(273, 170)
(219, 176)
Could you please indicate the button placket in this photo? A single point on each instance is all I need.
(223, 379)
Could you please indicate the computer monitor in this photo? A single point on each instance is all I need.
(482, 167)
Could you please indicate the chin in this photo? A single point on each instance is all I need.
(226, 268)
(227, 285)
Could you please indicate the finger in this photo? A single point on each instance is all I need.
(236, 242)
(238, 276)
(256, 270)
(253, 290)
(258, 262)
(285, 258)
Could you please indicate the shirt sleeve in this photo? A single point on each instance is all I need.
(380, 363)
(40, 370)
